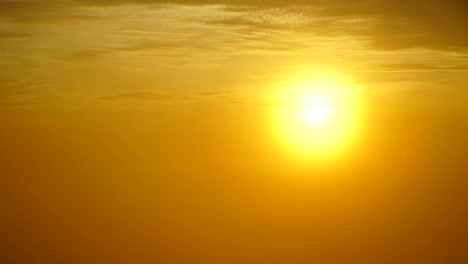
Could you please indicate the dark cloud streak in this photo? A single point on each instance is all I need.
(138, 95)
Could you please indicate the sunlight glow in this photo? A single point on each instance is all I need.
(316, 118)
(317, 109)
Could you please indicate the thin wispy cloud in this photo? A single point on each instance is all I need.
(24, 93)
(138, 95)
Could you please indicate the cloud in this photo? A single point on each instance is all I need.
(90, 53)
(148, 95)
(216, 42)
(138, 95)
(51, 11)
(385, 25)
(12, 35)
(23, 103)
(87, 54)
(15, 88)
(215, 93)
(21, 92)
(397, 67)
(146, 45)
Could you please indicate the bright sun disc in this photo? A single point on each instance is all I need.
(316, 119)
(317, 109)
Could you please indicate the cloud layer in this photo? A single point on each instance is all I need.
(385, 25)
(123, 47)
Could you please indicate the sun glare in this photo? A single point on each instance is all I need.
(316, 118)
(317, 109)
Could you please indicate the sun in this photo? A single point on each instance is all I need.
(317, 118)
(317, 109)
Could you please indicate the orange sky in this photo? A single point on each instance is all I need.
(140, 131)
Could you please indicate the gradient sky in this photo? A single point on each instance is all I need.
(137, 131)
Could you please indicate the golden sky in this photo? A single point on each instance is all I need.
(202, 131)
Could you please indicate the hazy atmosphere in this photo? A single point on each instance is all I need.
(200, 131)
